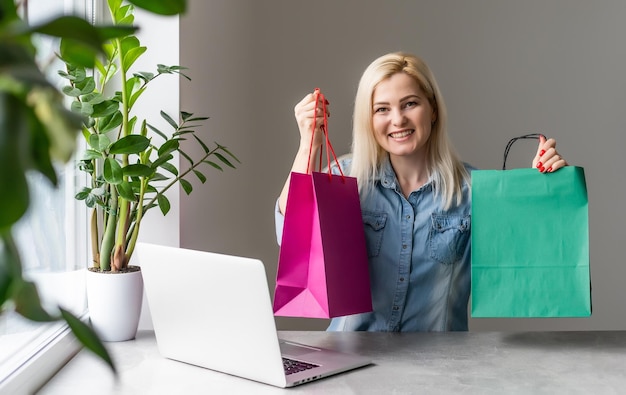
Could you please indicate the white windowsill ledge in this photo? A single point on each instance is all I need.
(30, 374)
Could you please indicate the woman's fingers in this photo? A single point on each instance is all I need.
(309, 112)
(548, 159)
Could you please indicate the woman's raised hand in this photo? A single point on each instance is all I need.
(547, 158)
(307, 115)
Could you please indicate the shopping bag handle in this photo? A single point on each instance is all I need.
(320, 102)
(533, 136)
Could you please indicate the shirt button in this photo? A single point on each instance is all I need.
(401, 279)
(408, 217)
(404, 246)
(396, 308)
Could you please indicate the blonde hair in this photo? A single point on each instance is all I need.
(445, 168)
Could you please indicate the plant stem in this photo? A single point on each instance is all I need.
(94, 238)
(133, 239)
(108, 239)
(120, 242)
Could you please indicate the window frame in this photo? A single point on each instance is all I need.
(36, 351)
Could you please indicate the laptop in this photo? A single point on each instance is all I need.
(214, 310)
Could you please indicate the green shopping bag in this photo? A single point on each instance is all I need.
(530, 243)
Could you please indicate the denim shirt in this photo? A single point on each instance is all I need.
(419, 259)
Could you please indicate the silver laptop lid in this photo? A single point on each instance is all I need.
(212, 310)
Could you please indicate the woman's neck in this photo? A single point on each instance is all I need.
(411, 172)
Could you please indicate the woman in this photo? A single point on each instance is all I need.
(415, 197)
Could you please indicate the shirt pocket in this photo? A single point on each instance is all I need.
(374, 224)
(448, 237)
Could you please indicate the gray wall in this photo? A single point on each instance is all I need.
(506, 68)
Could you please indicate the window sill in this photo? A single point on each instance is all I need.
(26, 371)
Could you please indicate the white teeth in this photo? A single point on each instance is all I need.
(399, 135)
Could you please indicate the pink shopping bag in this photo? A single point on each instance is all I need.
(322, 268)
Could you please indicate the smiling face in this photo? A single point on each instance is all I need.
(402, 116)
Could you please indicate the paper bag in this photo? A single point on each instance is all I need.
(530, 244)
(323, 269)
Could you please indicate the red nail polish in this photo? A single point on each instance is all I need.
(543, 151)
(539, 165)
(542, 169)
(550, 169)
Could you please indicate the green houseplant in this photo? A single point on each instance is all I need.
(35, 131)
(129, 161)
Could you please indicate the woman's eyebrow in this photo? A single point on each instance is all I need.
(407, 97)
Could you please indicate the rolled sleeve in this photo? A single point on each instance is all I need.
(279, 222)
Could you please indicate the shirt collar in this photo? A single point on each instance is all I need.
(387, 176)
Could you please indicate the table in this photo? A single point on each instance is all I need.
(404, 363)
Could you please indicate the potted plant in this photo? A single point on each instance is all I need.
(129, 163)
(35, 131)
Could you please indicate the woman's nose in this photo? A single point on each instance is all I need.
(397, 117)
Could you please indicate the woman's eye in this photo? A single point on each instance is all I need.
(380, 109)
(411, 104)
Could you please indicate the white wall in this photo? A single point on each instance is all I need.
(161, 36)
(505, 67)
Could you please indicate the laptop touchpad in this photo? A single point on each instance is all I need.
(295, 349)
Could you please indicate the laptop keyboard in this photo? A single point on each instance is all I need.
(292, 366)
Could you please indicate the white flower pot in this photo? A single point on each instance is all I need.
(114, 302)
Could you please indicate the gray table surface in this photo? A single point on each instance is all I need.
(404, 363)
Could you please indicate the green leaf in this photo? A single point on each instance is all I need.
(91, 154)
(112, 171)
(125, 190)
(186, 186)
(91, 201)
(42, 133)
(164, 204)
(10, 266)
(105, 108)
(171, 168)
(157, 131)
(129, 43)
(98, 191)
(169, 120)
(83, 194)
(145, 76)
(204, 146)
(99, 142)
(123, 14)
(93, 98)
(150, 189)
(131, 144)
(110, 122)
(86, 109)
(88, 338)
(186, 157)
(81, 31)
(223, 159)
(77, 53)
(228, 152)
(131, 56)
(71, 27)
(162, 159)
(28, 303)
(77, 107)
(135, 96)
(168, 147)
(164, 7)
(71, 91)
(200, 176)
(14, 195)
(138, 170)
(162, 69)
(185, 115)
(218, 167)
